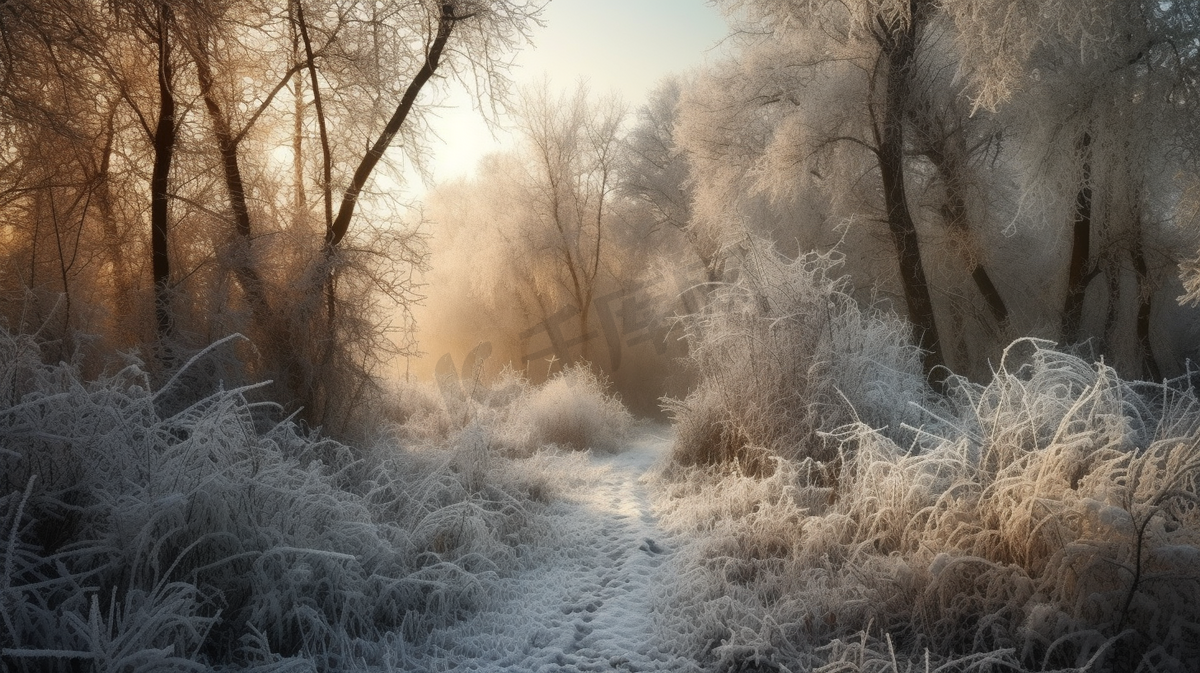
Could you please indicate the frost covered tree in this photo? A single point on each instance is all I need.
(546, 254)
(61, 117)
(222, 87)
(1102, 108)
(656, 173)
(908, 111)
(370, 86)
(158, 24)
(572, 150)
(167, 220)
(874, 47)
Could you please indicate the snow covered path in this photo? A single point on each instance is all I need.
(585, 603)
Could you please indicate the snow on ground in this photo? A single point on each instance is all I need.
(585, 601)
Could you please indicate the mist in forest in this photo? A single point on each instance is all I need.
(865, 342)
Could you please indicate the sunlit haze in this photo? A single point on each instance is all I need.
(618, 46)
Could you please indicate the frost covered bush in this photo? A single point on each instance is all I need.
(1048, 520)
(135, 535)
(573, 411)
(417, 413)
(783, 353)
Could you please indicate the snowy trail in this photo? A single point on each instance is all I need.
(585, 604)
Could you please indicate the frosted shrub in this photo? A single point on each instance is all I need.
(418, 413)
(784, 353)
(136, 535)
(1047, 520)
(573, 411)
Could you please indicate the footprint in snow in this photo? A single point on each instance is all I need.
(651, 547)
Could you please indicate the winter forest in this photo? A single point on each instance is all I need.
(866, 346)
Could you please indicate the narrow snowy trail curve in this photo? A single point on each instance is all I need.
(586, 602)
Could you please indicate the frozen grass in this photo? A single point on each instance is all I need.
(137, 533)
(573, 411)
(783, 354)
(1048, 520)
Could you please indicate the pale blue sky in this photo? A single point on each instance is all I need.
(621, 46)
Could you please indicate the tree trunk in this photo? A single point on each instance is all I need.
(1150, 368)
(991, 295)
(164, 150)
(326, 154)
(63, 266)
(1112, 316)
(119, 272)
(300, 197)
(66, 260)
(584, 317)
(900, 50)
(243, 265)
(954, 212)
(594, 272)
(1078, 269)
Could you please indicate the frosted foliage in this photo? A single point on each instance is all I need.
(1189, 267)
(999, 39)
(1190, 275)
(770, 140)
(790, 14)
(741, 149)
(1047, 520)
(573, 411)
(782, 355)
(654, 170)
(145, 539)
